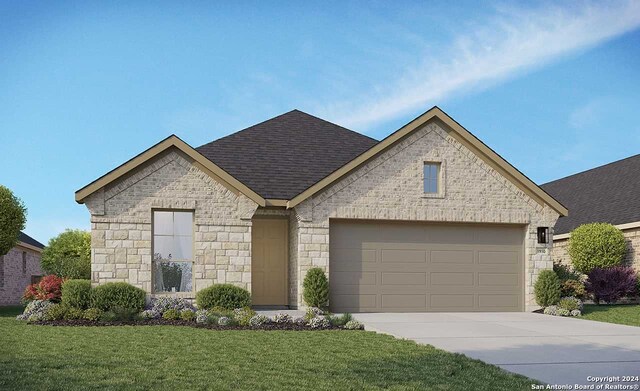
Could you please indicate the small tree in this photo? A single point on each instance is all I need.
(12, 219)
(547, 288)
(68, 255)
(596, 245)
(316, 288)
(612, 283)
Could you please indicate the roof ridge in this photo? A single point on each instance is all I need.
(335, 124)
(592, 169)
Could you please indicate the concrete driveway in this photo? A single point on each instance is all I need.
(552, 349)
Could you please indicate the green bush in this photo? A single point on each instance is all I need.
(68, 255)
(573, 288)
(125, 313)
(316, 288)
(92, 314)
(596, 245)
(340, 320)
(113, 295)
(225, 296)
(76, 293)
(570, 304)
(73, 313)
(565, 273)
(56, 312)
(243, 315)
(188, 315)
(108, 316)
(171, 314)
(547, 288)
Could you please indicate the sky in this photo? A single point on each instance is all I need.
(553, 87)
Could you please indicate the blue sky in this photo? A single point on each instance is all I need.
(553, 87)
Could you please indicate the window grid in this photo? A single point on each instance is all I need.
(431, 174)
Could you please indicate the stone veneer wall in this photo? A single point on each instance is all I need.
(121, 215)
(13, 279)
(390, 187)
(560, 252)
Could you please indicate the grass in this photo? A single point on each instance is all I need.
(168, 357)
(621, 314)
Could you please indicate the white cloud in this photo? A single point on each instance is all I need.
(514, 41)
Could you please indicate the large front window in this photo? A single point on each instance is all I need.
(172, 251)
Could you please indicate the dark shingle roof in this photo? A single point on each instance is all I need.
(609, 194)
(29, 240)
(283, 156)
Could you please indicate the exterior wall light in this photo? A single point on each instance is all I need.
(543, 235)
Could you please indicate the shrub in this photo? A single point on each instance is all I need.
(612, 283)
(570, 303)
(171, 315)
(596, 245)
(283, 318)
(162, 304)
(225, 296)
(150, 314)
(188, 315)
(108, 316)
(301, 321)
(319, 322)
(125, 313)
(57, 312)
(202, 316)
(68, 255)
(219, 312)
(353, 325)
(224, 321)
(547, 288)
(38, 309)
(573, 288)
(313, 312)
(565, 273)
(76, 293)
(258, 320)
(340, 320)
(316, 288)
(73, 313)
(243, 315)
(48, 288)
(92, 314)
(118, 294)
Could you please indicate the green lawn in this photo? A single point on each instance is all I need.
(621, 314)
(165, 357)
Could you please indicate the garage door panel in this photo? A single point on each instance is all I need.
(409, 267)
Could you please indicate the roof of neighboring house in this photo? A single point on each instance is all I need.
(605, 194)
(295, 151)
(24, 238)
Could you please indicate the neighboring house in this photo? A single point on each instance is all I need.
(19, 268)
(428, 219)
(605, 194)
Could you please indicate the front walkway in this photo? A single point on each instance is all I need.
(552, 349)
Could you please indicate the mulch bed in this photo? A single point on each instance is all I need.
(165, 322)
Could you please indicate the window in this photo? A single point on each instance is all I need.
(24, 262)
(431, 175)
(172, 251)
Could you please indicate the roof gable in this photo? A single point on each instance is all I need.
(609, 194)
(281, 157)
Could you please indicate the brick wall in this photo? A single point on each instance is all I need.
(390, 187)
(13, 278)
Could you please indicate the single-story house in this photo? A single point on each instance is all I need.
(427, 219)
(19, 268)
(605, 194)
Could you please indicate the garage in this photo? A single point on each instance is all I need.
(380, 266)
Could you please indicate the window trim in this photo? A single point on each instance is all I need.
(440, 178)
(186, 294)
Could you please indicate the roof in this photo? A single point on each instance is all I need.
(605, 194)
(295, 150)
(24, 238)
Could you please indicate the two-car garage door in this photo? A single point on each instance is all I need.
(411, 267)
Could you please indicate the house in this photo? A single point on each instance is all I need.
(605, 194)
(428, 219)
(19, 268)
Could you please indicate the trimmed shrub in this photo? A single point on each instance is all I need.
(57, 312)
(596, 245)
(171, 315)
(92, 314)
(547, 288)
(73, 313)
(612, 283)
(112, 295)
(36, 310)
(570, 303)
(316, 288)
(573, 288)
(226, 296)
(76, 293)
(188, 315)
(48, 288)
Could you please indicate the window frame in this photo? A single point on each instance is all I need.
(440, 178)
(187, 294)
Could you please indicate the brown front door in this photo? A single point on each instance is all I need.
(269, 257)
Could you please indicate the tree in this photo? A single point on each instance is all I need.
(13, 216)
(68, 255)
(316, 288)
(596, 245)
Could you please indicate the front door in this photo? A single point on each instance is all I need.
(269, 255)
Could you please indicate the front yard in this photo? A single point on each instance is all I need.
(172, 357)
(622, 314)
